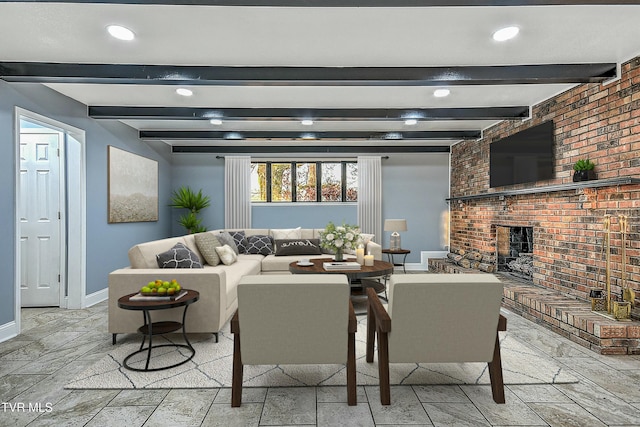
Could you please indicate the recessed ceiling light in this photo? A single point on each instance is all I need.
(411, 122)
(184, 91)
(307, 122)
(120, 32)
(233, 135)
(215, 121)
(440, 93)
(506, 33)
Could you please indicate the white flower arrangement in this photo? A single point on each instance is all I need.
(337, 239)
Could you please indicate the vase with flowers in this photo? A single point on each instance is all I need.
(338, 238)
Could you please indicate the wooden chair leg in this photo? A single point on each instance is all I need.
(236, 381)
(495, 374)
(383, 368)
(352, 398)
(371, 333)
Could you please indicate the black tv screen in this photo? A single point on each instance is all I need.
(526, 156)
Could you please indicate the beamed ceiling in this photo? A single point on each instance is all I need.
(358, 69)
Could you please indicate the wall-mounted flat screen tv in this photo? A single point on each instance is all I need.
(526, 156)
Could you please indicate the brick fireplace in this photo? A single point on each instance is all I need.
(601, 122)
(514, 250)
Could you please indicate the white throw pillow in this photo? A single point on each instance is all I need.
(286, 233)
(226, 254)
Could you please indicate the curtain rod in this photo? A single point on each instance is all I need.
(300, 158)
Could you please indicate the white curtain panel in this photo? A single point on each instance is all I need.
(237, 192)
(370, 195)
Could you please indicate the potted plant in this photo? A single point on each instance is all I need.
(186, 198)
(584, 170)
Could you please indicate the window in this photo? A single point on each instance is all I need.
(304, 181)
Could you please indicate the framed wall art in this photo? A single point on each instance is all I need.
(132, 187)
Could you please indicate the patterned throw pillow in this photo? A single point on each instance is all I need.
(259, 244)
(207, 243)
(240, 240)
(226, 254)
(178, 256)
(298, 247)
(226, 239)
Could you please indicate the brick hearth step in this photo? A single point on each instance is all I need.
(561, 313)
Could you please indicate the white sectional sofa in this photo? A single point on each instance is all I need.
(217, 285)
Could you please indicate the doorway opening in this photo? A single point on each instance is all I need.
(50, 213)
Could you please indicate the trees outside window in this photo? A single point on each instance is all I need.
(304, 181)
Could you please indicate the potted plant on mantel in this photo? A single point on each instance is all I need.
(584, 170)
(186, 198)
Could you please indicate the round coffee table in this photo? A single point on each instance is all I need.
(379, 268)
(149, 329)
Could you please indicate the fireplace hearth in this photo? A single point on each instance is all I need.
(515, 250)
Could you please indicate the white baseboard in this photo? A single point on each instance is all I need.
(413, 266)
(96, 297)
(8, 331)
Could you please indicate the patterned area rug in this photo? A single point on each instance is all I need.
(212, 364)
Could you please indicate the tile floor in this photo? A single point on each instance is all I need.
(56, 344)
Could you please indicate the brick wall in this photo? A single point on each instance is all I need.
(591, 120)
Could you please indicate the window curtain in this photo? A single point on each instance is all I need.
(370, 195)
(237, 192)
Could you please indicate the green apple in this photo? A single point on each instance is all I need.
(145, 290)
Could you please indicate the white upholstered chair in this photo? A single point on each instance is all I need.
(436, 318)
(294, 319)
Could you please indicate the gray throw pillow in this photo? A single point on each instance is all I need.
(259, 244)
(298, 247)
(240, 240)
(207, 243)
(226, 239)
(178, 256)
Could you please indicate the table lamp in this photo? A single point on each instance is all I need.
(395, 225)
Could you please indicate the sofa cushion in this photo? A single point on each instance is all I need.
(179, 256)
(259, 244)
(286, 247)
(226, 254)
(207, 244)
(240, 239)
(226, 239)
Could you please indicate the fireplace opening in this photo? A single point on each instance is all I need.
(515, 250)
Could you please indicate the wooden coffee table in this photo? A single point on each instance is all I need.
(379, 268)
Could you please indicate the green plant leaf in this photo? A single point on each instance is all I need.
(584, 165)
(186, 198)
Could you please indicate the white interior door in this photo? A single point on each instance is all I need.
(39, 210)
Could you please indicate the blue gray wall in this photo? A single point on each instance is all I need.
(414, 187)
(107, 244)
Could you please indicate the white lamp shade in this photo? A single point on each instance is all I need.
(395, 225)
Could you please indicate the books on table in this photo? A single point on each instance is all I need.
(344, 265)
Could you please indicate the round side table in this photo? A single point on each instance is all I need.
(390, 254)
(149, 328)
